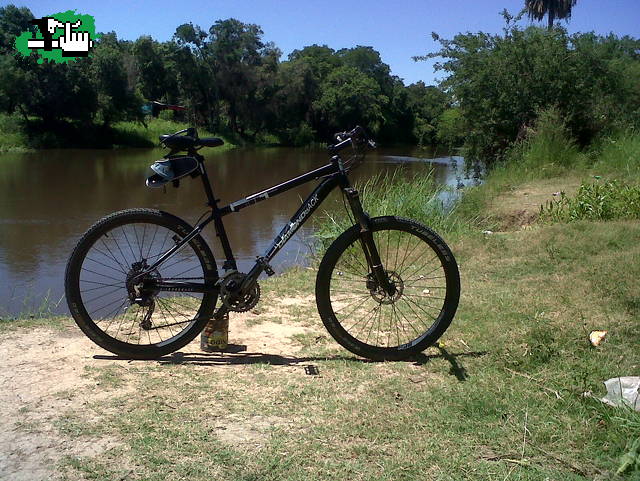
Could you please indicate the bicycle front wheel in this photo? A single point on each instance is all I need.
(102, 284)
(372, 323)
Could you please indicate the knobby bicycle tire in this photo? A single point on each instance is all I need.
(99, 270)
(368, 322)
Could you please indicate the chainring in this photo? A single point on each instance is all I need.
(234, 300)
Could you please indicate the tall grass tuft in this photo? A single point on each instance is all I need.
(547, 149)
(33, 305)
(417, 197)
(619, 155)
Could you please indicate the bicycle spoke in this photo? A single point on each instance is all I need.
(151, 243)
(120, 271)
(128, 243)
(389, 320)
(98, 274)
(126, 262)
(102, 296)
(123, 269)
(366, 319)
(112, 259)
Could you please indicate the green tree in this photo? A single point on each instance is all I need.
(426, 104)
(299, 83)
(152, 72)
(114, 81)
(350, 97)
(397, 122)
(190, 64)
(368, 61)
(237, 53)
(500, 83)
(552, 9)
(13, 21)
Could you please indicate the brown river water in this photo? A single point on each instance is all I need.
(49, 198)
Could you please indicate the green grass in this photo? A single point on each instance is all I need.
(394, 194)
(16, 135)
(511, 393)
(501, 399)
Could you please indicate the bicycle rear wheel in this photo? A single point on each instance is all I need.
(365, 319)
(112, 310)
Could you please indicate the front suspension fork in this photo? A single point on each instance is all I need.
(366, 241)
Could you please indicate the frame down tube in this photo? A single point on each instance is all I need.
(307, 208)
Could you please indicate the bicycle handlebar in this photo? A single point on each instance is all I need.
(356, 137)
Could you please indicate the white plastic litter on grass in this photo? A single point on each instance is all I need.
(623, 391)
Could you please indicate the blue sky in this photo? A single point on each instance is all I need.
(398, 30)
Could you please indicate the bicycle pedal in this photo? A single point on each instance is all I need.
(269, 270)
(265, 266)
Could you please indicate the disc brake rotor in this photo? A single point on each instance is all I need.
(378, 292)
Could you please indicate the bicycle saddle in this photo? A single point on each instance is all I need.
(186, 142)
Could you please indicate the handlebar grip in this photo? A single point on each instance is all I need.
(356, 136)
(339, 146)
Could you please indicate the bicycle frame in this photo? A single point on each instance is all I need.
(335, 176)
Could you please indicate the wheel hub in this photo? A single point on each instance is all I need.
(378, 292)
(135, 284)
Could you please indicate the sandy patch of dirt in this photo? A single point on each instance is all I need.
(39, 368)
(242, 431)
(268, 337)
(519, 208)
(43, 374)
(298, 301)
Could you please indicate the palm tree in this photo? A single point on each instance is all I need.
(537, 9)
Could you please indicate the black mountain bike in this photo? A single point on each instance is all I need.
(142, 283)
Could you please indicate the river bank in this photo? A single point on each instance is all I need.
(16, 135)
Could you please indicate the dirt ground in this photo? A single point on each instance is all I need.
(519, 208)
(43, 371)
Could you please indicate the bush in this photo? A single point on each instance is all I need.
(595, 201)
(547, 147)
(619, 154)
(502, 82)
(298, 136)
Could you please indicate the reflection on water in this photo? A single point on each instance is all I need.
(49, 198)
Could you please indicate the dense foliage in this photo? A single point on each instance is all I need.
(501, 83)
(234, 83)
(229, 78)
(606, 200)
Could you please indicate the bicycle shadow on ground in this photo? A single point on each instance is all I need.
(237, 355)
(457, 369)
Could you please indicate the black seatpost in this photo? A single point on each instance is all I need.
(211, 200)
